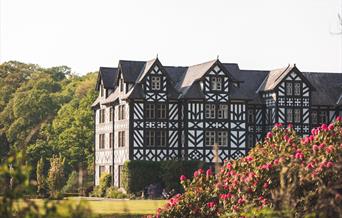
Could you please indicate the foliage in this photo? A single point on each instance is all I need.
(113, 192)
(71, 185)
(283, 176)
(42, 188)
(101, 189)
(56, 177)
(138, 174)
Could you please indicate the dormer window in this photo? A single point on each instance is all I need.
(216, 83)
(155, 82)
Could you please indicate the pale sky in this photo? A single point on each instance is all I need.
(256, 34)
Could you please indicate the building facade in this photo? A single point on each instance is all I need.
(147, 111)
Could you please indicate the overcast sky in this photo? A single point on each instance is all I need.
(256, 34)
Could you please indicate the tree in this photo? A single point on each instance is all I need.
(56, 177)
(42, 188)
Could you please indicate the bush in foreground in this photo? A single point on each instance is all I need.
(284, 176)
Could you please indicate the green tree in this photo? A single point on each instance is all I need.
(42, 188)
(56, 177)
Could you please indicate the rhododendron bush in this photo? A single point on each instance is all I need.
(289, 175)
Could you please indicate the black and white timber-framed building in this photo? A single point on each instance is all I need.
(147, 111)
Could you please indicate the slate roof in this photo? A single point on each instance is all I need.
(327, 87)
(108, 75)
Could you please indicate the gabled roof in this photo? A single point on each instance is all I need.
(108, 75)
(146, 69)
(328, 88)
(131, 70)
(276, 76)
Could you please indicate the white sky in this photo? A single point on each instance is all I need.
(256, 34)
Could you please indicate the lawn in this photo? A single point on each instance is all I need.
(110, 207)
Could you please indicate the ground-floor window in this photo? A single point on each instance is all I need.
(120, 170)
(102, 169)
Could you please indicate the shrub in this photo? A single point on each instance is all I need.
(71, 185)
(113, 192)
(138, 174)
(283, 176)
(105, 183)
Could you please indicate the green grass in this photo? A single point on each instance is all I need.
(109, 208)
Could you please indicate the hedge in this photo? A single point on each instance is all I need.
(137, 174)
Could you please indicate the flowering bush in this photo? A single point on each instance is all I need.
(286, 174)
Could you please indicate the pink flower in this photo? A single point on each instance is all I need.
(324, 127)
(315, 147)
(195, 173)
(278, 125)
(329, 164)
(290, 126)
(209, 173)
(286, 137)
(182, 178)
(329, 149)
(269, 135)
(299, 155)
(249, 158)
(338, 119)
(331, 126)
(276, 161)
(266, 166)
(313, 131)
(266, 185)
(211, 204)
(321, 146)
(229, 166)
(241, 201)
(310, 165)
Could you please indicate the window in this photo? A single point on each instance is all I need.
(161, 111)
(297, 115)
(110, 140)
(250, 116)
(222, 138)
(150, 138)
(297, 89)
(288, 88)
(323, 117)
(289, 116)
(209, 138)
(111, 114)
(102, 115)
(155, 82)
(314, 117)
(161, 138)
(216, 83)
(121, 139)
(210, 111)
(102, 169)
(110, 170)
(120, 176)
(121, 112)
(102, 141)
(150, 111)
(222, 112)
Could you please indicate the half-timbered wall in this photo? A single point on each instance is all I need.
(323, 114)
(270, 109)
(294, 103)
(147, 129)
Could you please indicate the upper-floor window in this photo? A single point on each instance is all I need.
(323, 117)
(288, 88)
(102, 117)
(209, 138)
(155, 82)
(121, 139)
(102, 141)
(110, 140)
(150, 111)
(297, 115)
(222, 112)
(297, 89)
(222, 138)
(161, 111)
(150, 138)
(210, 111)
(216, 83)
(289, 115)
(314, 118)
(121, 112)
